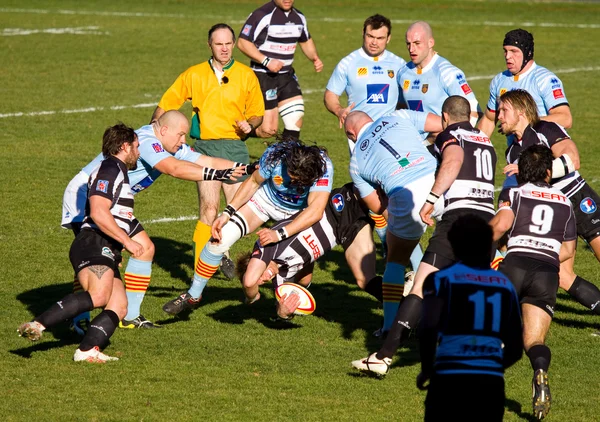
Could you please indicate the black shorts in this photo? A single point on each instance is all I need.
(95, 248)
(480, 397)
(535, 281)
(352, 217)
(277, 87)
(586, 203)
(439, 250)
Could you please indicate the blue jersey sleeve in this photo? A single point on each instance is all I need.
(153, 152)
(552, 90)
(493, 100)
(363, 186)
(185, 153)
(325, 183)
(338, 80)
(417, 118)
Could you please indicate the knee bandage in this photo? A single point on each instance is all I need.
(236, 228)
(291, 113)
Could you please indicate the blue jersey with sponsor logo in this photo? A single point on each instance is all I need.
(279, 188)
(544, 86)
(151, 153)
(368, 81)
(426, 89)
(389, 153)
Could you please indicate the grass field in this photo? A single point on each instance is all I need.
(69, 69)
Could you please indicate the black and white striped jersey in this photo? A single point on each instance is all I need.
(110, 180)
(544, 218)
(275, 33)
(474, 185)
(549, 134)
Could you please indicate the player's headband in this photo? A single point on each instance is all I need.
(523, 40)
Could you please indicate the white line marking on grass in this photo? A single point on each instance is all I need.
(305, 91)
(171, 219)
(81, 30)
(212, 17)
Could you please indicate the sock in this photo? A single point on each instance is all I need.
(78, 289)
(137, 279)
(539, 356)
(586, 293)
(201, 237)
(498, 258)
(375, 288)
(101, 328)
(290, 135)
(207, 266)
(66, 308)
(407, 318)
(416, 257)
(393, 287)
(380, 229)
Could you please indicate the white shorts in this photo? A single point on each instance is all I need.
(74, 200)
(404, 206)
(265, 209)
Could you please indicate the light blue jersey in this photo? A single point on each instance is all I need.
(426, 89)
(368, 81)
(544, 86)
(151, 153)
(389, 153)
(279, 189)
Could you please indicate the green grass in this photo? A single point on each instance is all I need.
(229, 362)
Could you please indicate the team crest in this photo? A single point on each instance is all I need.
(108, 253)
(338, 202)
(278, 180)
(405, 84)
(391, 73)
(362, 72)
(157, 147)
(502, 91)
(588, 206)
(102, 186)
(425, 88)
(364, 145)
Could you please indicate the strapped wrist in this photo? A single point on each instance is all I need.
(229, 210)
(282, 234)
(432, 198)
(265, 61)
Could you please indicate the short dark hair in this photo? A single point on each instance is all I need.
(114, 137)
(377, 21)
(220, 26)
(471, 238)
(534, 163)
(457, 107)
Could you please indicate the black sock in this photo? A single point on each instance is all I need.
(539, 356)
(586, 293)
(407, 317)
(375, 288)
(100, 330)
(290, 135)
(66, 308)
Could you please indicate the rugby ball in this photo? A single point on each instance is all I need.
(307, 301)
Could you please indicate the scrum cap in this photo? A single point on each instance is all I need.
(523, 40)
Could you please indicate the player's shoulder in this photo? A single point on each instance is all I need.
(444, 67)
(145, 134)
(393, 58)
(263, 10)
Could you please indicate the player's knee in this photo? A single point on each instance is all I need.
(236, 228)
(292, 113)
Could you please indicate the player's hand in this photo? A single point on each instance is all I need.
(343, 113)
(425, 213)
(217, 226)
(133, 247)
(267, 275)
(510, 169)
(266, 236)
(287, 305)
(318, 65)
(422, 379)
(251, 168)
(244, 126)
(274, 65)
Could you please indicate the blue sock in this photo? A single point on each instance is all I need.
(137, 279)
(416, 257)
(393, 287)
(208, 263)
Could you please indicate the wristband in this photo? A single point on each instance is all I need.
(432, 197)
(229, 210)
(282, 233)
(265, 61)
(280, 318)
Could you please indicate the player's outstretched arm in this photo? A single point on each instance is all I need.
(487, 123)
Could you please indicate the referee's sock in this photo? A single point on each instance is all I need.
(137, 279)
(393, 287)
(201, 237)
(207, 266)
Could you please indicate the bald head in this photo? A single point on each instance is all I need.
(173, 118)
(171, 129)
(420, 42)
(354, 122)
